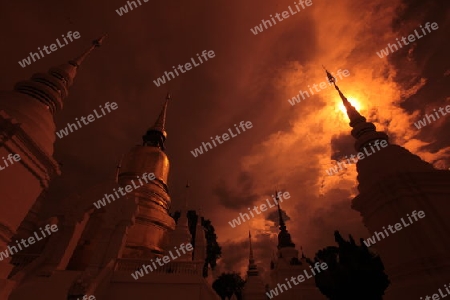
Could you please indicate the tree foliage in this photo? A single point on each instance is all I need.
(228, 284)
(353, 272)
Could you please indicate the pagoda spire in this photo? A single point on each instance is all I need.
(280, 217)
(183, 221)
(254, 287)
(187, 195)
(76, 62)
(200, 239)
(252, 269)
(364, 132)
(251, 260)
(156, 135)
(52, 88)
(377, 168)
(284, 238)
(181, 234)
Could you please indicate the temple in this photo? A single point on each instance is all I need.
(28, 129)
(287, 264)
(393, 182)
(254, 287)
(95, 250)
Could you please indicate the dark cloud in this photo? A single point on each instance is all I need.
(342, 145)
(241, 196)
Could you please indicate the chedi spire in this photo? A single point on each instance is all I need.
(364, 132)
(252, 269)
(284, 238)
(181, 234)
(200, 239)
(156, 135)
(392, 160)
(52, 88)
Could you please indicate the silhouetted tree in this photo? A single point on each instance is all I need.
(228, 284)
(213, 250)
(353, 272)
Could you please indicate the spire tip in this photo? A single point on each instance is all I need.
(95, 44)
(98, 42)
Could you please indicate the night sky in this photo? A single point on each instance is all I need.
(250, 78)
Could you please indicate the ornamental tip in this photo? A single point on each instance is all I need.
(95, 44)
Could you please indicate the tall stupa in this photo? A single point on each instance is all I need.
(28, 130)
(393, 183)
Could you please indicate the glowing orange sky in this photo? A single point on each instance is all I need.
(251, 78)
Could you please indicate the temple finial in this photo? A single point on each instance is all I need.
(52, 88)
(352, 113)
(200, 211)
(118, 167)
(160, 123)
(95, 44)
(251, 258)
(157, 135)
(284, 238)
(183, 215)
(186, 196)
(252, 269)
(364, 132)
(280, 216)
